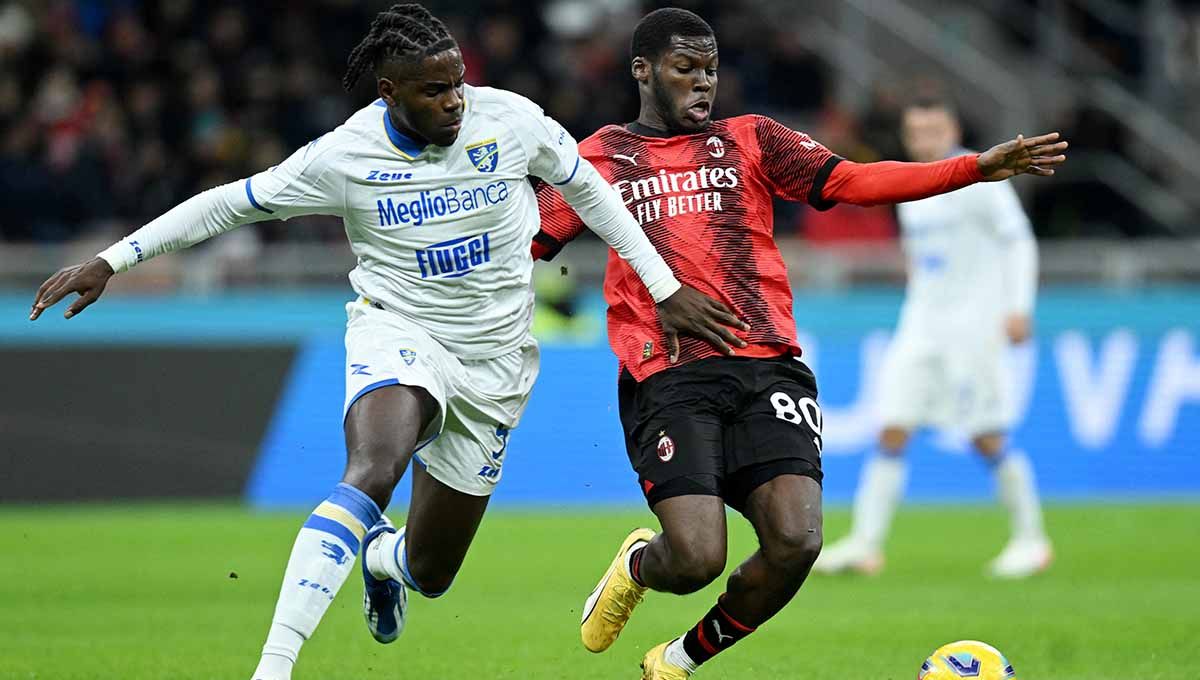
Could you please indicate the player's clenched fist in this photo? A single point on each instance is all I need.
(690, 312)
(87, 279)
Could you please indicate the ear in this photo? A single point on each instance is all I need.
(640, 68)
(387, 91)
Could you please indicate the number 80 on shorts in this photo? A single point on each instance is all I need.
(805, 410)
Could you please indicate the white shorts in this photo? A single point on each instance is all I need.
(958, 386)
(479, 402)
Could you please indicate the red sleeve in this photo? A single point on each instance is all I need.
(896, 182)
(794, 165)
(560, 224)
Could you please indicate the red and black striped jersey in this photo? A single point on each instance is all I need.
(705, 202)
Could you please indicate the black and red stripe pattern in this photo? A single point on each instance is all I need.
(715, 632)
(705, 202)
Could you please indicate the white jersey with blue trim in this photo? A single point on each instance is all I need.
(972, 260)
(442, 234)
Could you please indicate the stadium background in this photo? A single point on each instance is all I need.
(215, 375)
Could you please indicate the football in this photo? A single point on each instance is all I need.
(966, 659)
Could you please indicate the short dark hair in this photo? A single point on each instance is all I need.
(407, 31)
(654, 32)
(932, 101)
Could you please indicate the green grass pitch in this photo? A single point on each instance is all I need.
(136, 592)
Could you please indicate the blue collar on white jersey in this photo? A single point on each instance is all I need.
(402, 142)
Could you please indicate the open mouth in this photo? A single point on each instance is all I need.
(699, 111)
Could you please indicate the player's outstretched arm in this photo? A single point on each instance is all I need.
(199, 218)
(306, 183)
(896, 182)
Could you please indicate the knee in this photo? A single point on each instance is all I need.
(990, 446)
(793, 549)
(893, 440)
(696, 566)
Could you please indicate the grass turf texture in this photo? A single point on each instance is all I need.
(137, 592)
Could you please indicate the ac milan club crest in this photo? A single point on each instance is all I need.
(666, 447)
(716, 148)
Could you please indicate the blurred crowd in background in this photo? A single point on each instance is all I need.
(113, 111)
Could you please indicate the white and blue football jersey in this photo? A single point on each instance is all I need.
(442, 234)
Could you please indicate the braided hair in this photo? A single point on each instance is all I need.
(409, 32)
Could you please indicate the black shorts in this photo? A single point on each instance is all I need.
(721, 426)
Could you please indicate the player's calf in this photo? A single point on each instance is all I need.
(681, 565)
(786, 514)
(428, 577)
(389, 556)
(690, 552)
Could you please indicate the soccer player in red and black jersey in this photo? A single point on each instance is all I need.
(704, 429)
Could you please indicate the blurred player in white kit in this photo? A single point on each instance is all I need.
(972, 278)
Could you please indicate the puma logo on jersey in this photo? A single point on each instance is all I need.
(632, 158)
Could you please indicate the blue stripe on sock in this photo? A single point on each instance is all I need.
(357, 503)
(335, 528)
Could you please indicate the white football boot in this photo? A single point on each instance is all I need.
(1022, 558)
(849, 555)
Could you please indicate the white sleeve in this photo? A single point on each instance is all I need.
(601, 208)
(304, 184)
(552, 151)
(1020, 247)
(554, 157)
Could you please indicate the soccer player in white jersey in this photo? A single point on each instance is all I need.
(972, 277)
(431, 181)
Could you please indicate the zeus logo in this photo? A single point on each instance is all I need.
(452, 259)
(377, 176)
